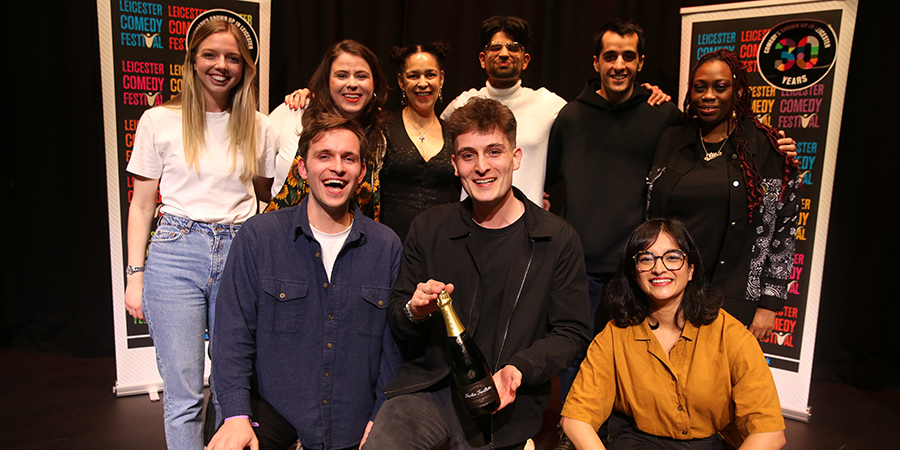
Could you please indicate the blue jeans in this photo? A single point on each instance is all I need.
(184, 264)
(595, 292)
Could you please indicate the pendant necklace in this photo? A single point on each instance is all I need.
(419, 130)
(713, 155)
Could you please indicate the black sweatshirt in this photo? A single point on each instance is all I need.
(604, 152)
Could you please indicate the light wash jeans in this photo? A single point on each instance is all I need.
(184, 264)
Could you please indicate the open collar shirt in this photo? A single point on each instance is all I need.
(715, 374)
(318, 350)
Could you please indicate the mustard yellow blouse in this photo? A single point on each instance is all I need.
(714, 375)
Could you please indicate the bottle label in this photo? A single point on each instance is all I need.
(478, 394)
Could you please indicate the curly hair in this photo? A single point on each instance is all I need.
(438, 49)
(751, 175)
(482, 115)
(625, 300)
(516, 27)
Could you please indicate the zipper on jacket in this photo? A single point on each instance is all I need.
(515, 303)
(651, 178)
(506, 333)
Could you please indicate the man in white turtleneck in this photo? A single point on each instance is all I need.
(503, 57)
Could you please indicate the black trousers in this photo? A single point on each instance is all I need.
(631, 438)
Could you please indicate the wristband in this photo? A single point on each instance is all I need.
(412, 316)
(252, 423)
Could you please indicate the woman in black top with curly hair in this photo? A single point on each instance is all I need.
(417, 172)
(722, 174)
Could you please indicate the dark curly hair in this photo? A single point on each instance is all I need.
(739, 87)
(438, 49)
(514, 26)
(625, 300)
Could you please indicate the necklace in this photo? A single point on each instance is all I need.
(713, 155)
(419, 130)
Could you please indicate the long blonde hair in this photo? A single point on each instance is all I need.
(242, 131)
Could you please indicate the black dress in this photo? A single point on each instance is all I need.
(409, 184)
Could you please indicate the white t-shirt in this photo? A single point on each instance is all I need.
(331, 244)
(286, 128)
(535, 112)
(215, 193)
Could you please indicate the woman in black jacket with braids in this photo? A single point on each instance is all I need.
(722, 174)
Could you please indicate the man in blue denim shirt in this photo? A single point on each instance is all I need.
(302, 347)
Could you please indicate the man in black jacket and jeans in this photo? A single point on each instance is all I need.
(516, 274)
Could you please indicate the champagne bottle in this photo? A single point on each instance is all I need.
(467, 365)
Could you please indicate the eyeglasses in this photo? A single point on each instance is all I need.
(672, 260)
(512, 47)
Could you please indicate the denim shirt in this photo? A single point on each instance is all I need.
(318, 351)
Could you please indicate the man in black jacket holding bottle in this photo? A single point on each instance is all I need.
(516, 274)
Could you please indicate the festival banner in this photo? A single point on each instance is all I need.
(796, 54)
(142, 49)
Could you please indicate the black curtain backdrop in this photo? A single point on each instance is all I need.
(55, 243)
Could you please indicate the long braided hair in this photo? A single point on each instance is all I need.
(739, 88)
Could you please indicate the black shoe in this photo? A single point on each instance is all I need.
(564, 442)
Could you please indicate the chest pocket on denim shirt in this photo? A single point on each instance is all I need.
(371, 316)
(283, 306)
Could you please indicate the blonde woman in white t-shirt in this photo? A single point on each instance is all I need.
(210, 154)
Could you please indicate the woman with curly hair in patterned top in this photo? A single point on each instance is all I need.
(723, 174)
(349, 82)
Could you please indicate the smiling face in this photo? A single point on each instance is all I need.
(618, 64)
(712, 96)
(421, 80)
(351, 85)
(333, 168)
(503, 67)
(484, 163)
(218, 66)
(662, 285)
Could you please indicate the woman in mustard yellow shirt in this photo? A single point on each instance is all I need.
(676, 365)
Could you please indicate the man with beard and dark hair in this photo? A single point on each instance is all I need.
(504, 56)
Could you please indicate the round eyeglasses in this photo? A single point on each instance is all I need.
(672, 260)
(512, 47)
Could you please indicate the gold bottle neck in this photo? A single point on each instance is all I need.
(451, 320)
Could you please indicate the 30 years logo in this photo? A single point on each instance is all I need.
(797, 54)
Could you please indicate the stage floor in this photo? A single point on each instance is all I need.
(52, 401)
